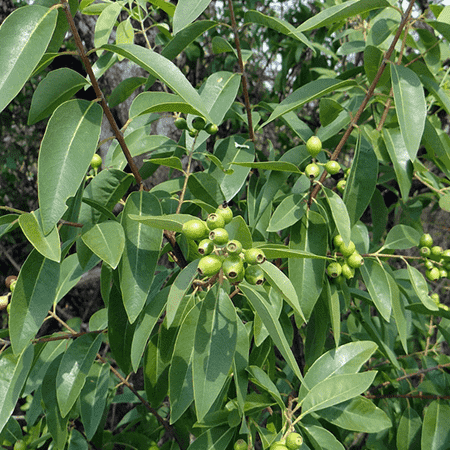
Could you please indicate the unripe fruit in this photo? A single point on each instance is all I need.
(294, 441)
(10, 280)
(199, 123)
(254, 256)
(181, 123)
(234, 247)
(209, 265)
(355, 260)
(314, 146)
(192, 133)
(219, 236)
(254, 275)
(96, 161)
(446, 255)
(205, 247)
(341, 186)
(334, 269)
(240, 444)
(347, 271)
(443, 273)
(20, 445)
(332, 167)
(347, 250)
(425, 251)
(338, 241)
(435, 298)
(232, 267)
(278, 446)
(426, 240)
(4, 302)
(432, 274)
(428, 264)
(195, 229)
(312, 171)
(225, 212)
(436, 253)
(211, 128)
(215, 221)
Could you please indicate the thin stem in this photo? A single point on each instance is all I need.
(242, 71)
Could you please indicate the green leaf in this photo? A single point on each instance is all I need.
(217, 438)
(336, 389)
(170, 222)
(93, 398)
(240, 363)
(8, 222)
(186, 12)
(280, 166)
(70, 274)
(379, 213)
(398, 153)
(238, 229)
(288, 212)
(341, 12)
(214, 347)
(160, 67)
(13, 374)
(56, 88)
(410, 107)
(377, 283)
(105, 23)
(339, 213)
(307, 93)
(32, 298)
(409, 428)
(125, 32)
(420, 287)
(106, 240)
(260, 302)
(319, 437)
(435, 430)
(282, 284)
(358, 414)
(47, 245)
(172, 161)
(260, 378)
(166, 6)
(306, 274)
(401, 237)
(203, 186)
(398, 311)
(362, 180)
(66, 151)
(330, 296)
(274, 251)
(19, 57)
(124, 89)
(141, 252)
(74, 368)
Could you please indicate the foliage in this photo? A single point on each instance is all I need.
(318, 309)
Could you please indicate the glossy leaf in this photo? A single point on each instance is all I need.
(186, 12)
(47, 245)
(141, 252)
(203, 185)
(279, 166)
(401, 237)
(217, 438)
(398, 312)
(66, 151)
(8, 222)
(240, 363)
(56, 88)
(32, 298)
(70, 274)
(410, 107)
(409, 428)
(273, 251)
(340, 214)
(19, 57)
(288, 212)
(124, 90)
(420, 287)
(105, 23)
(435, 430)
(74, 368)
(171, 222)
(319, 437)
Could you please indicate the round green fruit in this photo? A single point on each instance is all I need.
(312, 171)
(209, 265)
(205, 247)
(195, 229)
(332, 167)
(426, 240)
(347, 250)
(211, 128)
(347, 271)
(240, 444)
(341, 186)
(314, 146)
(432, 274)
(254, 256)
(443, 273)
(232, 267)
(338, 241)
(215, 221)
(199, 123)
(436, 253)
(96, 161)
(278, 446)
(181, 123)
(219, 236)
(234, 247)
(294, 441)
(429, 264)
(334, 269)
(254, 275)
(192, 133)
(425, 251)
(355, 260)
(435, 298)
(446, 255)
(225, 212)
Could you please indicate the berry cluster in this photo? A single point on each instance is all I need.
(347, 265)
(314, 147)
(198, 124)
(217, 252)
(436, 260)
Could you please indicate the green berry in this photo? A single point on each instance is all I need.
(426, 240)
(240, 444)
(347, 271)
(4, 299)
(443, 273)
(334, 269)
(446, 255)
(347, 250)
(355, 260)
(20, 445)
(429, 264)
(234, 247)
(193, 133)
(219, 236)
(314, 146)
(254, 275)
(436, 253)
(425, 251)
(332, 167)
(96, 161)
(232, 267)
(205, 247)
(209, 265)
(254, 256)
(338, 241)
(278, 446)
(312, 171)
(181, 123)
(215, 221)
(225, 212)
(435, 298)
(294, 441)
(432, 274)
(341, 186)
(211, 128)
(195, 229)
(199, 123)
